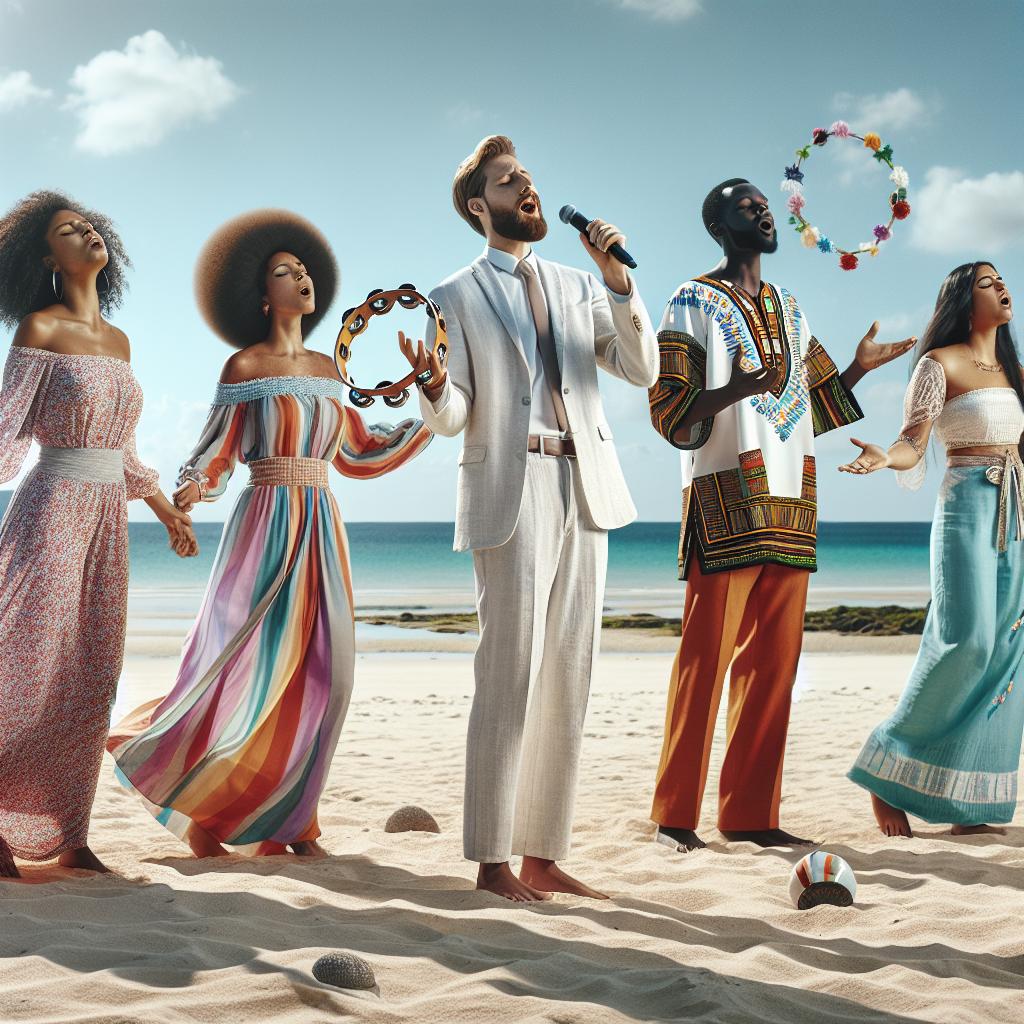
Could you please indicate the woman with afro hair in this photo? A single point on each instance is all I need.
(64, 540)
(238, 753)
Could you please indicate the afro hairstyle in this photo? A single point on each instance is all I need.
(713, 201)
(231, 268)
(26, 284)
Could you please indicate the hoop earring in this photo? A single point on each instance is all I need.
(59, 292)
(106, 282)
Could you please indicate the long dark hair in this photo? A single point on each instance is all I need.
(951, 323)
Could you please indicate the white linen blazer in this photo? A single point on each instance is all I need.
(488, 392)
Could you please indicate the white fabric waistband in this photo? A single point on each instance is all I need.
(94, 465)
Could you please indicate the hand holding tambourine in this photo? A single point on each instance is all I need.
(427, 368)
(430, 373)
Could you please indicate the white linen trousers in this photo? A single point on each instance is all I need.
(539, 603)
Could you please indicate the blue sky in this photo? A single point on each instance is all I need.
(172, 117)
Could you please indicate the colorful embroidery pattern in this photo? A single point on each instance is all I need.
(735, 521)
(766, 339)
(832, 405)
(680, 380)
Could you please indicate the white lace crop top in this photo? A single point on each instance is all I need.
(985, 416)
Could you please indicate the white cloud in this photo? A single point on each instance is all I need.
(664, 10)
(133, 98)
(18, 89)
(954, 213)
(464, 113)
(890, 111)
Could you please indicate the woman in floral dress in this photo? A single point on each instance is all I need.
(239, 751)
(64, 540)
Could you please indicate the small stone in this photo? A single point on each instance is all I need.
(411, 819)
(344, 970)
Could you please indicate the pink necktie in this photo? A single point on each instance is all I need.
(545, 342)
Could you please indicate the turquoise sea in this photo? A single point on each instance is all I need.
(412, 564)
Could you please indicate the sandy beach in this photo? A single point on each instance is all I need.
(711, 936)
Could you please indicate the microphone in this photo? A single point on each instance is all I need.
(568, 214)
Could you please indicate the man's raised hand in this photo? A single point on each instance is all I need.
(871, 355)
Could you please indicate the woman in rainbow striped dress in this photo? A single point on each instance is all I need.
(238, 753)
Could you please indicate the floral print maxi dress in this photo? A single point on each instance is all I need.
(63, 592)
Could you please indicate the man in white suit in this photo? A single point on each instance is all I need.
(539, 487)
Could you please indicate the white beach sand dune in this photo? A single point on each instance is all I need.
(935, 934)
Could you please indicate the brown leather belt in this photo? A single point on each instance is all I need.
(544, 444)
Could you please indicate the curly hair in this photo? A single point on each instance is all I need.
(231, 270)
(26, 285)
(713, 202)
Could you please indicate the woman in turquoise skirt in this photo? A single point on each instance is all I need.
(951, 749)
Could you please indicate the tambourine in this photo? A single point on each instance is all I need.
(378, 303)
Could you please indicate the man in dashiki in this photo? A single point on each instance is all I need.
(743, 390)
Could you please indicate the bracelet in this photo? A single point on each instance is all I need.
(430, 384)
(916, 445)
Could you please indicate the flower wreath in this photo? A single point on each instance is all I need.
(899, 208)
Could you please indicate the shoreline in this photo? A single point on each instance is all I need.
(151, 640)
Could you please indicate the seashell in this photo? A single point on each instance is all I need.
(344, 970)
(822, 877)
(411, 819)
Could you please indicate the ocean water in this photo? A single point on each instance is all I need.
(412, 564)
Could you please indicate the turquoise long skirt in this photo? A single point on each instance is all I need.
(951, 749)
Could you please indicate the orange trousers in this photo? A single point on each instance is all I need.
(753, 619)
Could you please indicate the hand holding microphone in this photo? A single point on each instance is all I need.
(605, 243)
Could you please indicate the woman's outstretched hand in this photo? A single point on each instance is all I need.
(871, 457)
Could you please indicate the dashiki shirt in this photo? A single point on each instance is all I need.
(749, 488)
(243, 743)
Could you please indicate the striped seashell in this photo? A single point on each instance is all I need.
(822, 877)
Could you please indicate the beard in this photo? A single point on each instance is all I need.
(511, 224)
(754, 240)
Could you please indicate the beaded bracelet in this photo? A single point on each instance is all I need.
(916, 445)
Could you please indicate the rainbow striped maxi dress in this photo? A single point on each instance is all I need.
(243, 743)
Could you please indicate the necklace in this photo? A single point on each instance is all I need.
(987, 367)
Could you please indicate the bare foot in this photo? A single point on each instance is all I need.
(977, 830)
(682, 840)
(547, 876)
(270, 848)
(498, 878)
(8, 869)
(767, 837)
(891, 820)
(83, 858)
(202, 843)
(309, 848)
